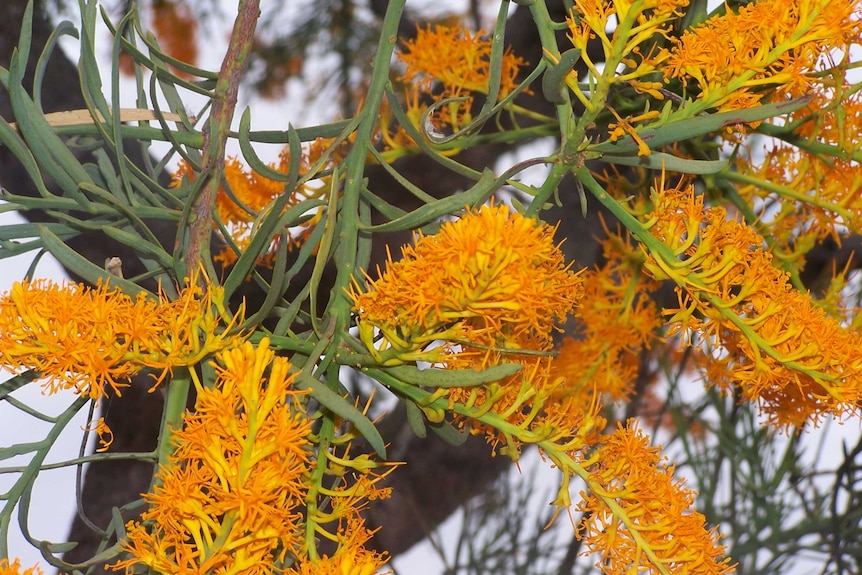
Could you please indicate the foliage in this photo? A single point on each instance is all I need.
(273, 466)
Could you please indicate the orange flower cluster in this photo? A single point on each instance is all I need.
(353, 483)
(489, 286)
(87, 339)
(15, 568)
(351, 558)
(813, 189)
(591, 19)
(636, 26)
(653, 526)
(781, 349)
(248, 196)
(459, 62)
(230, 499)
(176, 28)
(769, 44)
(616, 319)
(235, 496)
(492, 278)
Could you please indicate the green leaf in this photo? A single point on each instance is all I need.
(415, 419)
(552, 81)
(433, 377)
(476, 195)
(20, 449)
(84, 268)
(697, 126)
(660, 161)
(140, 245)
(270, 221)
(17, 382)
(448, 433)
(344, 409)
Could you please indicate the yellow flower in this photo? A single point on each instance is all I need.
(489, 287)
(772, 341)
(232, 495)
(734, 57)
(85, 339)
(351, 557)
(14, 568)
(654, 525)
(616, 319)
(492, 278)
(460, 62)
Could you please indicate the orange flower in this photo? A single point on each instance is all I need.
(461, 63)
(492, 278)
(351, 557)
(814, 194)
(489, 287)
(653, 526)
(232, 493)
(767, 44)
(781, 349)
(14, 568)
(616, 318)
(85, 339)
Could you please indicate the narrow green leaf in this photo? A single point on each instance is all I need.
(82, 267)
(553, 87)
(660, 160)
(20, 449)
(476, 195)
(448, 433)
(30, 229)
(415, 419)
(433, 377)
(17, 382)
(269, 223)
(140, 245)
(697, 126)
(344, 409)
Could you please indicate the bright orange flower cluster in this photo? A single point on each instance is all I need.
(616, 319)
(231, 498)
(492, 278)
(811, 192)
(634, 31)
(775, 343)
(460, 63)
(235, 495)
(459, 60)
(489, 286)
(87, 339)
(769, 44)
(14, 568)
(654, 526)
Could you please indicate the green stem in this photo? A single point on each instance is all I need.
(176, 398)
(347, 234)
